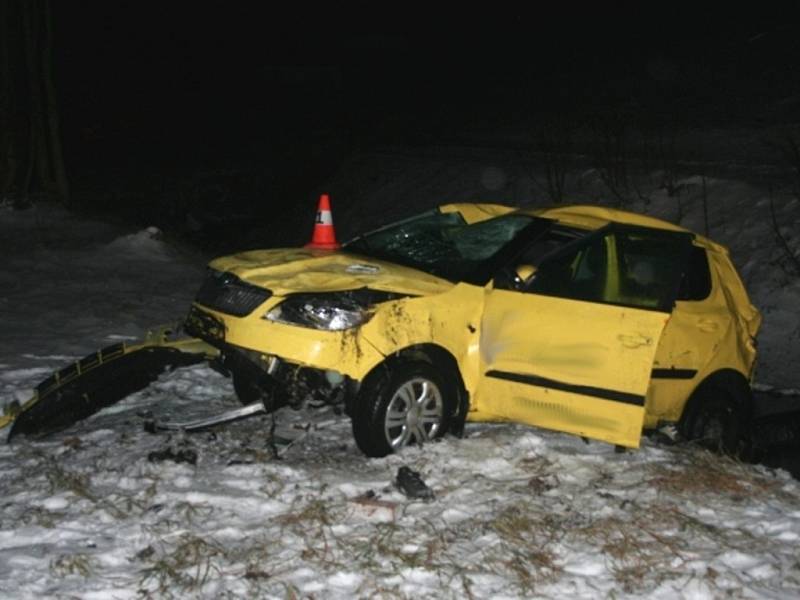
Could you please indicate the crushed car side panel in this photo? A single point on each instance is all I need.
(704, 335)
(450, 320)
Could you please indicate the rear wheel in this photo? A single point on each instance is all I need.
(716, 421)
(404, 403)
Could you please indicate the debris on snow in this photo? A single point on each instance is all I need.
(371, 506)
(410, 483)
(186, 455)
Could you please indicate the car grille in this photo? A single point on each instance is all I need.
(226, 293)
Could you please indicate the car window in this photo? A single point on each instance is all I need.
(648, 268)
(618, 265)
(444, 245)
(579, 273)
(548, 243)
(696, 282)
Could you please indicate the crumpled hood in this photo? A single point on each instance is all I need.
(287, 271)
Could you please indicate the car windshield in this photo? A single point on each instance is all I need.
(445, 245)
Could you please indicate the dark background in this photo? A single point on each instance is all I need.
(179, 108)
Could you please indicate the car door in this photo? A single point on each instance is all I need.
(572, 349)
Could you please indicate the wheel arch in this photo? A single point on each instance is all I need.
(729, 379)
(440, 358)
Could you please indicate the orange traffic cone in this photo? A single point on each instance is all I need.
(324, 237)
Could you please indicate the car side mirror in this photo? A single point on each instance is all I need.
(522, 275)
(524, 272)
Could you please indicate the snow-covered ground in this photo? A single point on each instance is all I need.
(519, 512)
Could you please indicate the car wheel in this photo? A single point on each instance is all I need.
(246, 390)
(405, 403)
(715, 422)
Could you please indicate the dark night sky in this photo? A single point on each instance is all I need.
(153, 93)
(135, 74)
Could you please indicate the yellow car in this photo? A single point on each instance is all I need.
(583, 319)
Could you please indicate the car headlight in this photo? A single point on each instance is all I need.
(334, 311)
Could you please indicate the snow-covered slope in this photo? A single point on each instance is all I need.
(519, 512)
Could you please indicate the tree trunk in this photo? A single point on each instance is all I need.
(54, 138)
(38, 149)
(8, 162)
(31, 159)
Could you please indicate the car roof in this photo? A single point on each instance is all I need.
(585, 216)
(581, 216)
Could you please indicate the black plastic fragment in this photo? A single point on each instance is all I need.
(72, 395)
(411, 484)
(183, 455)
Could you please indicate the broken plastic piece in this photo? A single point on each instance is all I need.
(256, 408)
(371, 506)
(411, 484)
(183, 455)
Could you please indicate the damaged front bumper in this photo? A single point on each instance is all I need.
(274, 379)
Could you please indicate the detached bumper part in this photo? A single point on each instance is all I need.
(101, 379)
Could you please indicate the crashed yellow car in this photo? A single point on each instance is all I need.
(582, 319)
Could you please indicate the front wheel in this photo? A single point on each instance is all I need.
(247, 391)
(405, 403)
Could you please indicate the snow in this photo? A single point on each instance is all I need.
(519, 512)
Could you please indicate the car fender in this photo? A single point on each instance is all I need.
(449, 321)
(444, 361)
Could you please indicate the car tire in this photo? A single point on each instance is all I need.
(716, 421)
(400, 404)
(246, 390)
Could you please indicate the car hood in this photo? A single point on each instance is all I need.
(288, 271)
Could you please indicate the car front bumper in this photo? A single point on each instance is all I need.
(297, 364)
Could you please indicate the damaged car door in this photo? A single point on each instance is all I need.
(570, 344)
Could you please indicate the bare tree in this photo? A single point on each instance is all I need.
(8, 166)
(788, 253)
(31, 159)
(610, 157)
(554, 142)
(789, 150)
(59, 173)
